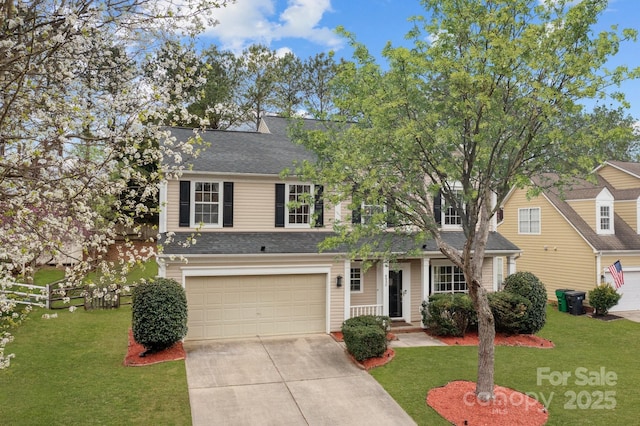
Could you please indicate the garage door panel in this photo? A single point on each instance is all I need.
(239, 306)
(630, 291)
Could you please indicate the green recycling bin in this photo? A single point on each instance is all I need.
(562, 301)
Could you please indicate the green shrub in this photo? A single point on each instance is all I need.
(602, 298)
(509, 311)
(449, 314)
(530, 287)
(365, 336)
(383, 322)
(159, 313)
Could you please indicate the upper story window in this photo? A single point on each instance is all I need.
(299, 205)
(207, 198)
(604, 212)
(605, 218)
(300, 209)
(368, 211)
(448, 279)
(446, 214)
(529, 220)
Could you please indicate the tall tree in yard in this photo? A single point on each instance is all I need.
(473, 109)
(77, 119)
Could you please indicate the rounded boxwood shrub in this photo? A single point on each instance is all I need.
(530, 287)
(159, 314)
(365, 336)
(602, 298)
(510, 311)
(449, 314)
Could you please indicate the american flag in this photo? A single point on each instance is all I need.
(616, 272)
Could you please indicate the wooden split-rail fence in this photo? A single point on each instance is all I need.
(58, 295)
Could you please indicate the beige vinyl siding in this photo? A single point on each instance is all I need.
(587, 210)
(628, 211)
(487, 274)
(567, 262)
(618, 178)
(253, 205)
(369, 296)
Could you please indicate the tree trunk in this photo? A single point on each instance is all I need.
(486, 334)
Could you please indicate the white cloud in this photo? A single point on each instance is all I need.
(258, 21)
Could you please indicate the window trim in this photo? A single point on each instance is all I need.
(599, 217)
(353, 268)
(520, 221)
(434, 284)
(310, 203)
(444, 208)
(220, 203)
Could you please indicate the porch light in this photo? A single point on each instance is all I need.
(339, 281)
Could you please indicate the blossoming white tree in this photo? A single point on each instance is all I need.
(82, 104)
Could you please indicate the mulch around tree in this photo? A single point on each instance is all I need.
(457, 403)
(134, 349)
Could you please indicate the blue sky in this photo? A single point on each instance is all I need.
(306, 27)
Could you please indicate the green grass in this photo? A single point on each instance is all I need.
(581, 342)
(69, 370)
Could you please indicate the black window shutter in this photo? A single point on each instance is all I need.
(185, 203)
(318, 207)
(356, 216)
(280, 205)
(437, 208)
(390, 214)
(227, 207)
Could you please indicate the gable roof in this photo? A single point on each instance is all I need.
(624, 237)
(625, 166)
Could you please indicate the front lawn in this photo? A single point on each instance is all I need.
(575, 379)
(69, 370)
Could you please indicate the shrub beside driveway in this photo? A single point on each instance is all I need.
(69, 370)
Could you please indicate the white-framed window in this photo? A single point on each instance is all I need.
(448, 279)
(368, 211)
(356, 279)
(299, 205)
(604, 213)
(451, 218)
(207, 204)
(529, 220)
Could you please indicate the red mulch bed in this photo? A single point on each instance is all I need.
(471, 339)
(369, 363)
(457, 403)
(134, 350)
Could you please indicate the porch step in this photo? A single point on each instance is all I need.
(404, 327)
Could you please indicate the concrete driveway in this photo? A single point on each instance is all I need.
(301, 380)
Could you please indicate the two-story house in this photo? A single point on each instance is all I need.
(255, 267)
(570, 237)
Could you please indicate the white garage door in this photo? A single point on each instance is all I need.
(630, 291)
(243, 306)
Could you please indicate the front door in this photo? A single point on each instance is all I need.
(395, 294)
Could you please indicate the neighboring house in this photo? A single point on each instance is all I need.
(570, 238)
(255, 268)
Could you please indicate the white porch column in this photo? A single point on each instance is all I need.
(511, 265)
(383, 284)
(426, 285)
(347, 288)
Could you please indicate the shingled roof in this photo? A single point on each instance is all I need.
(218, 243)
(268, 151)
(624, 237)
